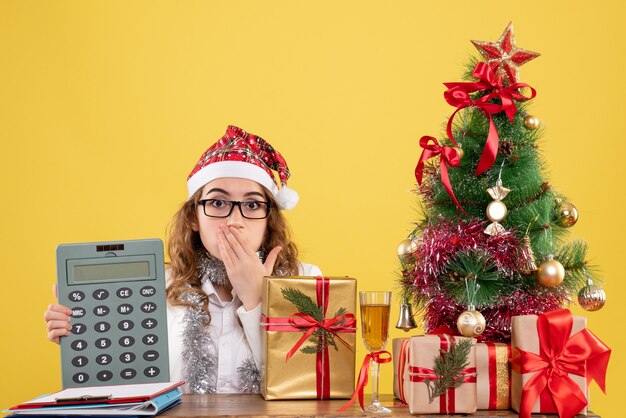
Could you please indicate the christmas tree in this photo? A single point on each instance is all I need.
(491, 240)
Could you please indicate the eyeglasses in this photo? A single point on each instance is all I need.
(250, 209)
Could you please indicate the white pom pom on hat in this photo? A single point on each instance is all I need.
(287, 198)
(244, 155)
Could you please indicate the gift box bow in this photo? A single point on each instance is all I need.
(582, 354)
(300, 322)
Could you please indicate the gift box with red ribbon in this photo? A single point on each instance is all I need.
(308, 338)
(430, 387)
(493, 375)
(554, 358)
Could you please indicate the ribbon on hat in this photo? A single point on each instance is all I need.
(458, 95)
(582, 354)
(376, 357)
(448, 157)
(299, 322)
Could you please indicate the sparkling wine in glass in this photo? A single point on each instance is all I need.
(375, 308)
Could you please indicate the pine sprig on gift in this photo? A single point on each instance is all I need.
(303, 303)
(448, 367)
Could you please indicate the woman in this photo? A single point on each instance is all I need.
(225, 238)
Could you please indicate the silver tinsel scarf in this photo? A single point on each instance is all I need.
(199, 351)
(249, 376)
(211, 268)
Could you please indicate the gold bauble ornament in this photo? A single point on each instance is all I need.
(531, 122)
(471, 323)
(591, 297)
(406, 248)
(459, 150)
(550, 272)
(568, 214)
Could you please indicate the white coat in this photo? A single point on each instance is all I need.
(236, 334)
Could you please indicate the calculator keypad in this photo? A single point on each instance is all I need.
(117, 306)
(137, 335)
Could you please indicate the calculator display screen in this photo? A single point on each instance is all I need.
(113, 271)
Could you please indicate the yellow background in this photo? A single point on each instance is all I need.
(105, 107)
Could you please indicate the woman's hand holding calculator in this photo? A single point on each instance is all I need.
(57, 319)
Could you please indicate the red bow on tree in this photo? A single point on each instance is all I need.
(449, 156)
(458, 95)
(582, 354)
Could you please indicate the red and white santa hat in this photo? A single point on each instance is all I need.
(244, 155)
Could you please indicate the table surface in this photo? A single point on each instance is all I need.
(254, 406)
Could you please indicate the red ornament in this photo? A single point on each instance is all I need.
(504, 57)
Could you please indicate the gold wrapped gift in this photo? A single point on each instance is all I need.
(308, 338)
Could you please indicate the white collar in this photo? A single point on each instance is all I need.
(209, 289)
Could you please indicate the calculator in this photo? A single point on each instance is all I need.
(116, 291)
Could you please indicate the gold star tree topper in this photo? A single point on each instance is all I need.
(504, 57)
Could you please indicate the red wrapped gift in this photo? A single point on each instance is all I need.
(426, 390)
(399, 352)
(554, 358)
(493, 380)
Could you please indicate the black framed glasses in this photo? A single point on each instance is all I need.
(249, 209)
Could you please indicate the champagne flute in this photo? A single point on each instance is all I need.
(375, 308)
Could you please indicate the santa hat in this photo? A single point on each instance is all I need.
(244, 155)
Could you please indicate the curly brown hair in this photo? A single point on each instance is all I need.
(184, 242)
